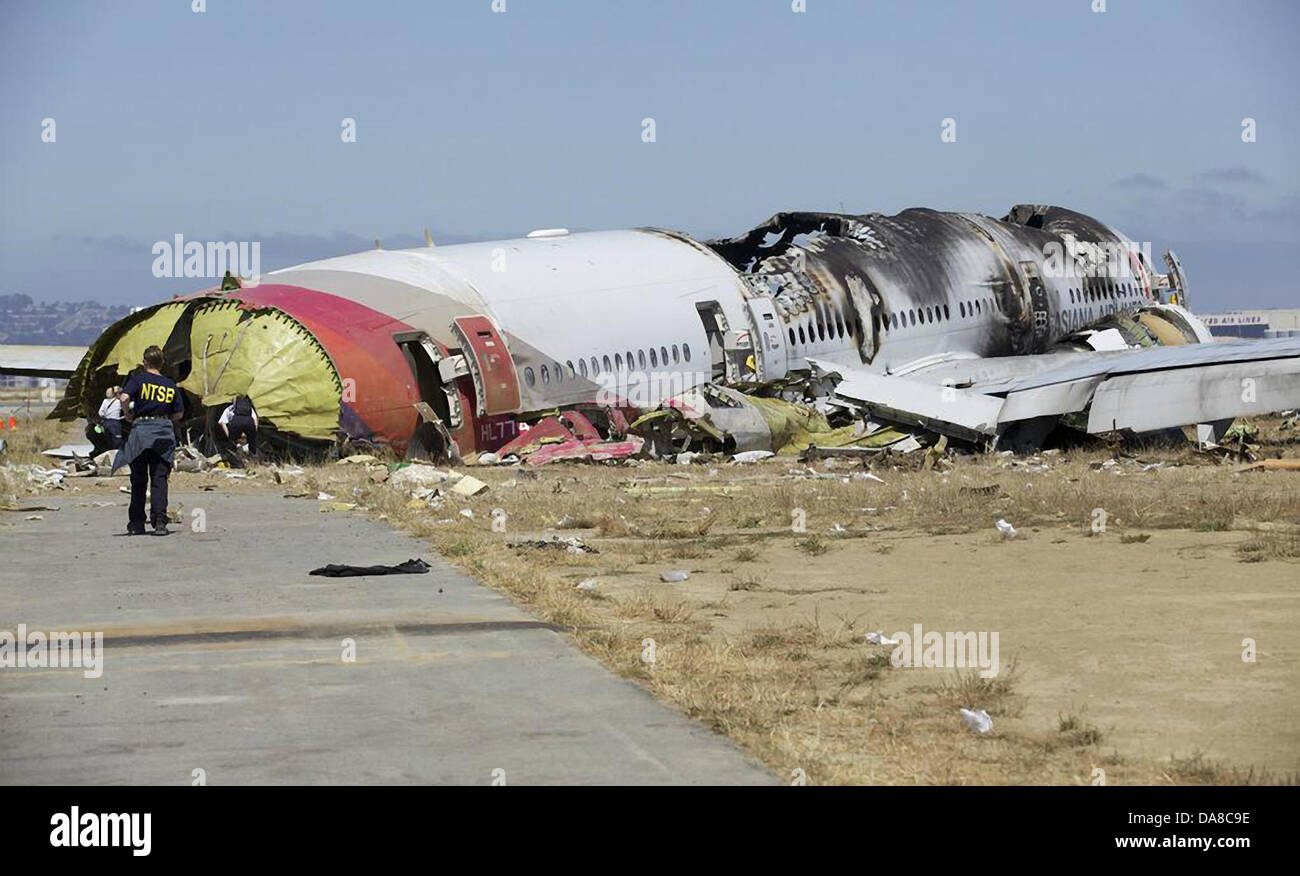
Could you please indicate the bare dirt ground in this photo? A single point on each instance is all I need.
(1121, 651)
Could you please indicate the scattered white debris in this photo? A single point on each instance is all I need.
(867, 476)
(69, 451)
(34, 517)
(672, 576)
(468, 486)
(357, 459)
(574, 545)
(418, 475)
(838, 528)
(907, 445)
(1008, 531)
(324, 497)
(878, 637)
(467, 512)
(37, 476)
(488, 459)
(751, 456)
(589, 585)
(686, 458)
(978, 722)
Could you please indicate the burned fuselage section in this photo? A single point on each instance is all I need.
(923, 283)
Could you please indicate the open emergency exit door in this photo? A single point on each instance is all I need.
(496, 382)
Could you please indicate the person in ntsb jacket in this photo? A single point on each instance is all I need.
(151, 403)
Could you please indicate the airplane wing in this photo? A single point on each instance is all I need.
(1142, 390)
(36, 361)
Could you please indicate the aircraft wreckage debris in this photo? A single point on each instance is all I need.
(820, 334)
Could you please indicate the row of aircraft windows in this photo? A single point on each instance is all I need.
(819, 330)
(939, 313)
(604, 365)
(1110, 289)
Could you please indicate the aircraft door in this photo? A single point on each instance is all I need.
(767, 340)
(496, 382)
(1036, 306)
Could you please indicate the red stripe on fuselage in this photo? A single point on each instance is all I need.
(378, 384)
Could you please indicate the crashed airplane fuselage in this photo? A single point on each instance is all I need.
(460, 343)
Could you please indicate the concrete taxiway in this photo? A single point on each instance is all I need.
(221, 654)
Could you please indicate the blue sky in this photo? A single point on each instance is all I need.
(225, 125)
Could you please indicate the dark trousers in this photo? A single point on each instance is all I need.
(243, 426)
(113, 428)
(149, 471)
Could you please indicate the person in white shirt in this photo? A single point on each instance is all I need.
(239, 419)
(110, 415)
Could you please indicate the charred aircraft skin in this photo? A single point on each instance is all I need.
(990, 285)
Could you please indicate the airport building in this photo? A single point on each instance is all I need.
(1253, 323)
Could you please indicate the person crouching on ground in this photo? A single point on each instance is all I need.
(110, 417)
(152, 403)
(239, 419)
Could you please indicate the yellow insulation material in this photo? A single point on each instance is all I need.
(269, 357)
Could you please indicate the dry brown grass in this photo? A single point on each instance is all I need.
(809, 693)
(26, 442)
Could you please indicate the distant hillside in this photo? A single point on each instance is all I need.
(24, 321)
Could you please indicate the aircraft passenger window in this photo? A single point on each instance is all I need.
(686, 352)
(893, 322)
(582, 366)
(674, 354)
(640, 358)
(791, 331)
(572, 371)
(654, 359)
(947, 314)
(546, 375)
(821, 330)
(559, 373)
(618, 361)
(663, 355)
(529, 377)
(629, 360)
(802, 339)
(605, 361)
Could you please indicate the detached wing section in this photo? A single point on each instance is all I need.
(34, 361)
(1142, 390)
